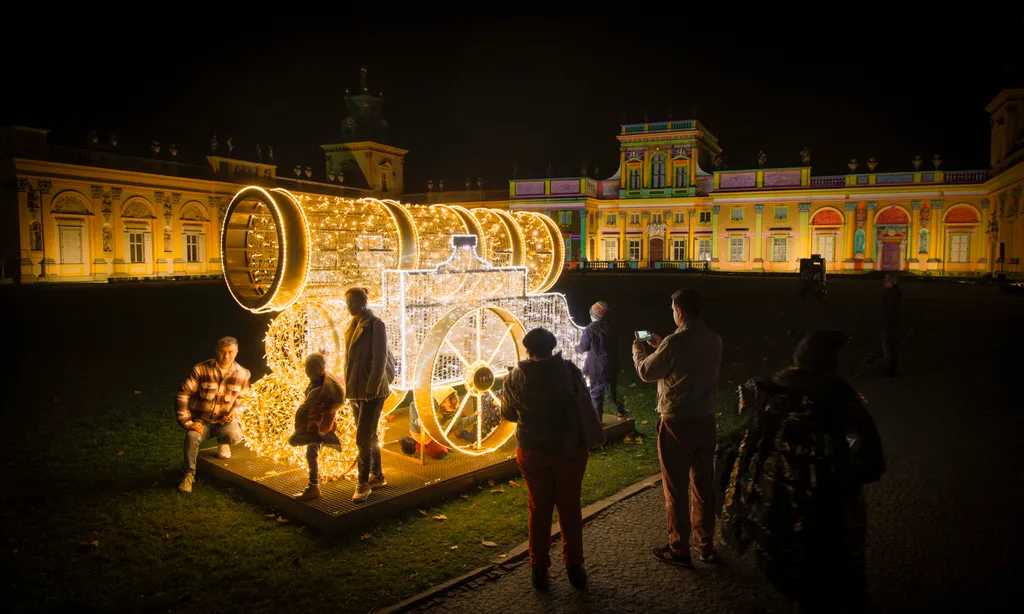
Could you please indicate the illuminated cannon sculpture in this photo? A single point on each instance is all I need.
(457, 289)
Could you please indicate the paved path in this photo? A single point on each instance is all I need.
(944, 522)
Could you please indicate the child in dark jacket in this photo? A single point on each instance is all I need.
(600, 343)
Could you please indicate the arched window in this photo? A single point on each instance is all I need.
(657, 171)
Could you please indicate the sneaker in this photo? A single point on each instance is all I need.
(362, 492)
(577, 576)
(710, 557)
(376, 480)
(224, 451)
(666, 555)
(312, 492)
(539, 575)
(186, 483)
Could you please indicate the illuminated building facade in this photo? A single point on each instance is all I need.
(668, 207)
(94, 213)
(98, 212)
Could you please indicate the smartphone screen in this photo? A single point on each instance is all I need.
(643, 335)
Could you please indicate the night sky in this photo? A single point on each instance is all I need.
(470, 98)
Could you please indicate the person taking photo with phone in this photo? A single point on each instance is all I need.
(685, 364)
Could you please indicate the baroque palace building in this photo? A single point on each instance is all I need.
(94, 213)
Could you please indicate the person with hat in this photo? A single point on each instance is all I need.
(446, 399)
(555, 429)
(600, 342)
(796, 471)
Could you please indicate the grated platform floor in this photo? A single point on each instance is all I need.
(409, 483)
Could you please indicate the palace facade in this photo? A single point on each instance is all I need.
(94, 213)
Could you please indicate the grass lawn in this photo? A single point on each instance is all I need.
(91, 510)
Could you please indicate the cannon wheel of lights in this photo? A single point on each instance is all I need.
(495, 343)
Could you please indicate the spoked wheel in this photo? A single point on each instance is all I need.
(469, 352)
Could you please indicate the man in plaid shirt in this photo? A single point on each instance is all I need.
(209, 403)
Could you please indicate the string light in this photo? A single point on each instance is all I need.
(456, 289)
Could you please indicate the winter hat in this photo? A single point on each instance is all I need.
(598, 310)
(819, 351)
(442, 393)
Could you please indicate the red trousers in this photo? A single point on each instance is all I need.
(686, 450)
(554, 480)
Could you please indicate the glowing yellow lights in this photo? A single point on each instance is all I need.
(455, 288)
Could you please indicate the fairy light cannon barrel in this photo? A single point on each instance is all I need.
(278, 247)
(456, 288)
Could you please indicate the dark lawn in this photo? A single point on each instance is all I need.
(91, 512)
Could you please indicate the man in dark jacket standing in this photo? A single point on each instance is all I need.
(892, 303)
(600, 343)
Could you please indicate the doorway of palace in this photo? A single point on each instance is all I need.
(890, 256)
(611, 249)
(657, 250)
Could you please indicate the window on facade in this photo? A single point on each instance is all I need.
(71, 244)
(704, 249)
(657, 171)
(827, 247)
(565, 217)
(136, 247)
(778, 249)
(634, 219)
(634, 178)
(959, 247)
(682, 177)
(634, 249)
(611, 220)
(705, 217)
(611, 249)
(736, 214)
(568, 249)
(192, 247)
(736, 249)
(656, 218)
(384, 182)
(781, 213)
(678, 249)
(680, 217)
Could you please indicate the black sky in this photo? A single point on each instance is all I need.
(470, 97)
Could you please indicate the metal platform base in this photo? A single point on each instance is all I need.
(409, 484)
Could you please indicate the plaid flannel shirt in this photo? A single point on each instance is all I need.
(207, 398)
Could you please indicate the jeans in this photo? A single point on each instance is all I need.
(225, 433)
(554, 480)
(313, 455)
(686, 449)
(367, 415)
(600, 389)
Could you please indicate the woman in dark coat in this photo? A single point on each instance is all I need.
(795, 474)
(547, 397)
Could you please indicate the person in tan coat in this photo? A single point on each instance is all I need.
(368, 372)
(316, 419)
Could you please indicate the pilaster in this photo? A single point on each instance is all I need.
(851, 231)
(869, 236)
(758, 247)
(805, 249)
(714, 233)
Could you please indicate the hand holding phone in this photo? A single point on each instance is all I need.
(642, 335)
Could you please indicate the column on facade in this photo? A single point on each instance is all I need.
(583, 233)
(119, 246)
(99, 263)
(758, 239)
(622, 219)
(987, 242)
(805, 250)
(25, 219)
(851, 230)
(938, 242)
(177, 251)
(714, 233)
(48, 267)
(869, 233)
(213, 240)
(691, 236)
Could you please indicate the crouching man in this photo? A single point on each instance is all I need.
(209, 404)
(316, 419)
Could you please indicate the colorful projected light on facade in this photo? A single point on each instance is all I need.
(456, 289)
